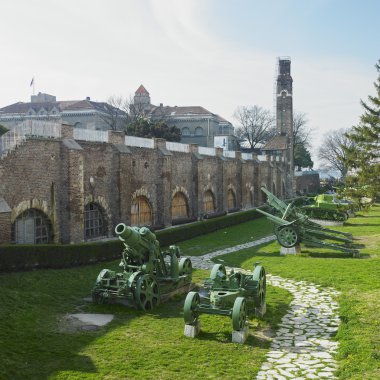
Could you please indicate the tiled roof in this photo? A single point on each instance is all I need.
(67, 105)
(185, 111)
(21, 107)
(141, 90)
(278, 142)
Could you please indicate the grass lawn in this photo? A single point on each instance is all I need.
(358, 280)
(36, 345)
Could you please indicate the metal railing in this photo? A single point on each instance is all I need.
(26, 130)
(206, 151)
(177, 147)
(139, 142)
(246, 156)
(90, 135)
(229, 153)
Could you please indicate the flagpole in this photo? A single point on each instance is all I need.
(32, 85)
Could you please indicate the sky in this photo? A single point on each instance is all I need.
(219, 54)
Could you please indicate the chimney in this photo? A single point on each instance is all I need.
(88, 98)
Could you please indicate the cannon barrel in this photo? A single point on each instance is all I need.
(134, 237)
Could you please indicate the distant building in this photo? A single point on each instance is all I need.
(197, 124)
(85, 113)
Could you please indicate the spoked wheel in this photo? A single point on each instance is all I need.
(147, 292)
(239, 314)
(99, 295)
(190, 309)
(260, 278)
(218, 269)
(185, 266)
(287, 236)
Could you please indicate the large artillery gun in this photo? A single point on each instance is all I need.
(292, 226)
(233, 294)
(149, 275)
(328, 207)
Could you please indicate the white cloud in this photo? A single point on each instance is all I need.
(97, 48)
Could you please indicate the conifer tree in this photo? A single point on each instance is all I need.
(365, 156)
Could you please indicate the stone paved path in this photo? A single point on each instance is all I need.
(302, 347)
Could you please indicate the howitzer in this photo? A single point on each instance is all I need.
(235, 295)
(292, 227)
(149, 275)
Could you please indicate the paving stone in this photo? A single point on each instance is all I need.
(302, 344)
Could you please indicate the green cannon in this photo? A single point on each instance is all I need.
(149, 276)
(235, 295)
(292, 226)
(328, 207)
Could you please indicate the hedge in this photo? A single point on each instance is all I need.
(17, 257)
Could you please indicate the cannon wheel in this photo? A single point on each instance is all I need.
(217, 268)
(96, 297)
(147, 292)
(190, 309)
(185, 266)
(287, 236)
(239, 314)
(260, 277)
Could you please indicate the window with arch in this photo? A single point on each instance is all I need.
(198, 131)
(32, 227)
(185, 131)
(94, 221)
(208, 202)
(141, 212)
(180, 207)
(231, 200)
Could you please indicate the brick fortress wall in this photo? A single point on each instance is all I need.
(61, 176)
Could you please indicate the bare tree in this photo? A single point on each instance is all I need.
(120, 112)
(301, 135)
(333, 153)
(257, 125)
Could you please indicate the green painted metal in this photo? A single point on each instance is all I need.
(328, 207)
(149, 275)
(233, 294)
(292, 227)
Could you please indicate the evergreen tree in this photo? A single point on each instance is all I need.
(365, 156)
(302, 157)
(145, 128)
(3, 129)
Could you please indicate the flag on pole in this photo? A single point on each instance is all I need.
(32, 82)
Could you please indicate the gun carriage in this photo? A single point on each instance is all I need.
(328, 207)
(235, 295)
(149, 276)
(292, 226)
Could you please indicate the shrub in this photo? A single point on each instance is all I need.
(18, 257)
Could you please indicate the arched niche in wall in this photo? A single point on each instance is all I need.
(141, 211)
(208, 202)
(32, 226)
(180, 206)
(95, 221)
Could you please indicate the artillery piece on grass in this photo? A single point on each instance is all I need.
(328, 207)
(234, 295)
(292, 227)
(149, 277)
